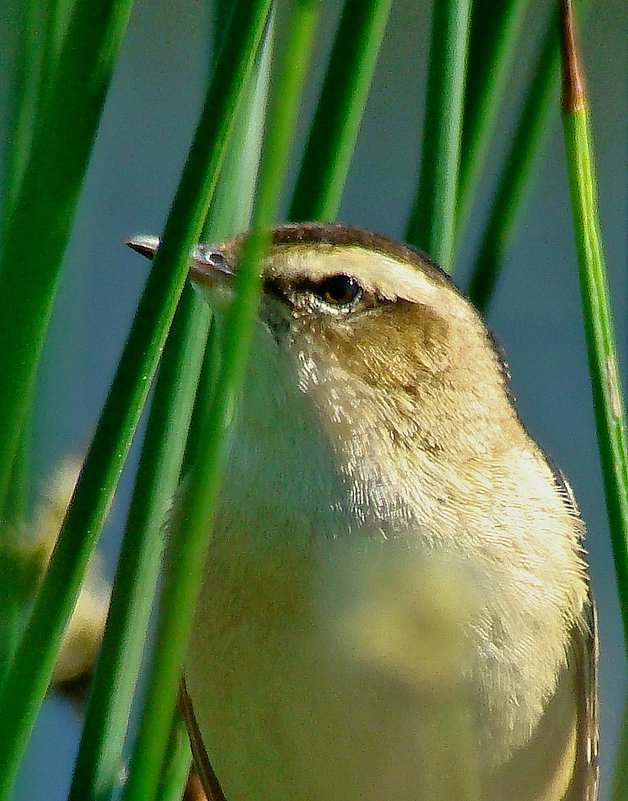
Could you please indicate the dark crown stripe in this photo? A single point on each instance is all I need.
(337, 234)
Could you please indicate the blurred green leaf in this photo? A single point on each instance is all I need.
(46, 178)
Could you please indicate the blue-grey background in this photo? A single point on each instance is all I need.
(146, 128)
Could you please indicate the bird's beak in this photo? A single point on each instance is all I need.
(208, 265)
(144, 245)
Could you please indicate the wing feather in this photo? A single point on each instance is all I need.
(585, 783)
(206, 773)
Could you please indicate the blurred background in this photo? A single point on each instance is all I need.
(145, 132)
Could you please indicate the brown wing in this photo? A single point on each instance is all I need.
(208, 778)
(585, 782)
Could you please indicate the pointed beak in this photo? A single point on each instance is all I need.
(208, 265)
(144, 245)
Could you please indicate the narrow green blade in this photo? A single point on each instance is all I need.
(494, 38)
(433, 218)
(333, 134)
(608, 400)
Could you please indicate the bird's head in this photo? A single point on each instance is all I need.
(395, 364)
(368, 312)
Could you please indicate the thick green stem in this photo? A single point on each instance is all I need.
(23, 103)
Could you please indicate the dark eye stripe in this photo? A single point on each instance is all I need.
(339, 291)
(275, 288)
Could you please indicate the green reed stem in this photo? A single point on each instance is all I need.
(99, 758)
(32, 667)
(530, 131)
(608, 401)
(494, 38)
(57, 15)
(188, 544)
(38, 221)
(432, 222)
(229, 213)
(177, 763)
(23, 102)
(333, 134)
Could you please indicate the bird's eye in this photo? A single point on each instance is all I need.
(339, 290)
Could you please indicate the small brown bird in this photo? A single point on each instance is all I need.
(395, 603)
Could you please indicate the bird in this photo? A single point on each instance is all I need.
(396, 601)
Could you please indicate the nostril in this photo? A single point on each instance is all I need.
(211, 256)
(217, 259)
